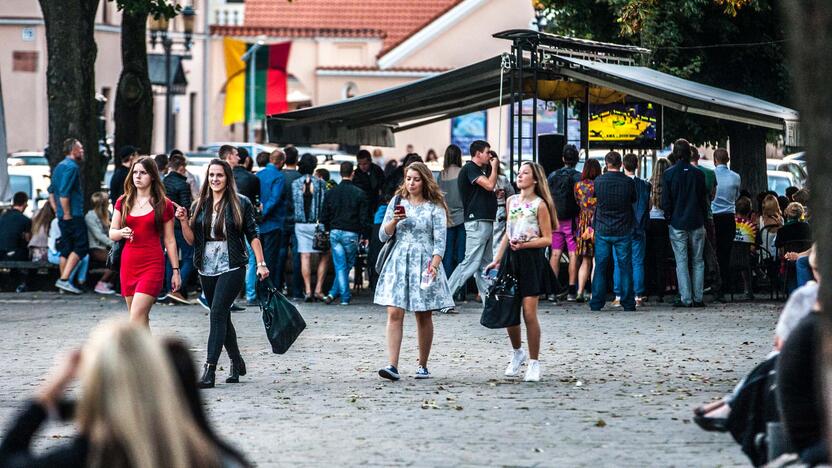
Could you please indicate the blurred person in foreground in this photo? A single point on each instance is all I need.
(122, 420)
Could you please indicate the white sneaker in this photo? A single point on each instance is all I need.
(103, 288)
(518, 357)
(533, 371)
(66, 285)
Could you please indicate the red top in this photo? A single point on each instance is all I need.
(144, 226)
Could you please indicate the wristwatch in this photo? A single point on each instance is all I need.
(261, 264)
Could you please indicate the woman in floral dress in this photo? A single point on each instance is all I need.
(585, 196)
(412, 278)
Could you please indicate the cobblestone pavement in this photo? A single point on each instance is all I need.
(617, 387)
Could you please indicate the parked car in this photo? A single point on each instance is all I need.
(779, 181)
(27, 158)
(33, 180)
(211, 149)
(796, 169)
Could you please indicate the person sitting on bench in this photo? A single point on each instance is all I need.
(15, 231)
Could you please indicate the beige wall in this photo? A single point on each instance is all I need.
(469, 40)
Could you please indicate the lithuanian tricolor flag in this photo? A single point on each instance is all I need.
(270, 81)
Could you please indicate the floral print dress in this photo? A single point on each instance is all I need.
(419, 237)
(585, 236)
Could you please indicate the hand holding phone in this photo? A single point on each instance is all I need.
(399, 212)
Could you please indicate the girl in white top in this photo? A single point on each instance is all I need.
(531, 220)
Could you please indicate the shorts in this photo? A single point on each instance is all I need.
(73, 237)
(564, 236)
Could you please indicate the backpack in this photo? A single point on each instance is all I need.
(562, 186)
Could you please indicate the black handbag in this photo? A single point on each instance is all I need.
(281, 319)
(320, 240)
(502, 304)
(387, 248)
(114, 255)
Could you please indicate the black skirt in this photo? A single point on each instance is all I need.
(533, 273)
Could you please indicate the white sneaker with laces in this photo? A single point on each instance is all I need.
(533, 371)
(518, 357)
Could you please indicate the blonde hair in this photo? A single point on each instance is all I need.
(131, 409)
(771, 209)
(541, 189)
(100, 206)
(794, 210)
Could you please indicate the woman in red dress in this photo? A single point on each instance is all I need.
(144, 217)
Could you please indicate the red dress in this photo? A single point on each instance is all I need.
(143, 260)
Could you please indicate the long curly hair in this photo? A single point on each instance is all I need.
(157, 191)
(430, 189)
(659, 167)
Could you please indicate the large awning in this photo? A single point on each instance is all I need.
(373, 119)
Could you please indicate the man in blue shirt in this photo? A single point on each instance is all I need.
(273, 200)
(613, 225)
(723, 207)
(66, 182)
(684, 199)
(641, 213)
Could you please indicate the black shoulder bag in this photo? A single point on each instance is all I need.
(502, 304)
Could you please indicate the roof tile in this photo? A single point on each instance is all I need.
(398, 19)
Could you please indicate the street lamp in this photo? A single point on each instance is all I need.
(159, 31)
(251, 57)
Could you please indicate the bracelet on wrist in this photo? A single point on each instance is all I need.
(175, 269)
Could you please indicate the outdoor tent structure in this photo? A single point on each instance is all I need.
(539, 66)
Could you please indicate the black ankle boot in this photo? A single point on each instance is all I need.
(237, 368)
(208, 376)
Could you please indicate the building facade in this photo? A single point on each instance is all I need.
(340, 49)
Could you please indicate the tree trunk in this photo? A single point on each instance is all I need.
(134, 97)
(748, 156)
(5, 190)
(810, 40)
(70, 84)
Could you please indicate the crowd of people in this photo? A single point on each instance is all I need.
(610, 230)
(422, 238)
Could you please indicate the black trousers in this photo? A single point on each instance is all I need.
(271, 255)
(724, 228)
(19, 255)
(221, 291)
(655, 257)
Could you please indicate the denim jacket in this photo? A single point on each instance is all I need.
(318, 189)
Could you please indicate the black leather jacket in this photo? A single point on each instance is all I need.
(237, 251)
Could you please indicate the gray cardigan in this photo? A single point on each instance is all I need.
(98, 237)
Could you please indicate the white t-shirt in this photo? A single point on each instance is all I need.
(799, 305)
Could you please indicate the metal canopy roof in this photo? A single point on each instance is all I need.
(372, 119)
(677, 93)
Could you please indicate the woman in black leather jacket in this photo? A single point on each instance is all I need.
(222, 220)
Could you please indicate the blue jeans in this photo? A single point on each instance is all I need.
(344, 249)
(79, 273)
(638, 246)
(619, 247)
(186, 263)
(689, 245)
(454, 248)
(804, 271)
(251, 275)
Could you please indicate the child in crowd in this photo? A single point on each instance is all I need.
(745, 240)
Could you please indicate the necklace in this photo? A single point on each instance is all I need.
(144, 203)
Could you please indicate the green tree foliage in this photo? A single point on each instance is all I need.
(732, 44)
